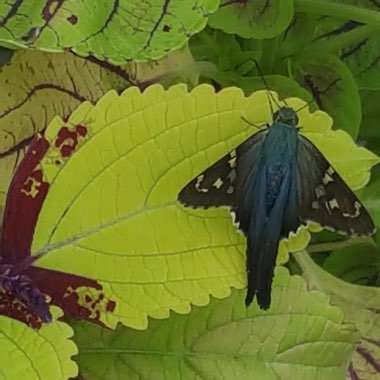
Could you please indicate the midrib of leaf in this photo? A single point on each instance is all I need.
(194, 354)
(84, 234)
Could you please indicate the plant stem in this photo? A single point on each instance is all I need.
(351, 298)
(324, 247)
(310, 270)
(339, 10)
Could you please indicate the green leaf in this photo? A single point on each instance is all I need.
(297, 35)
(176, 67)
(111, 212)
(284, 86)
(360, 305)
(36, 354)
(363, 59)
(333, 87)
(219, 48)
(371, 198)
(115, 31)
(253, 19)
(357, 264)
(370, 130)
(365, 11)
(301, 337)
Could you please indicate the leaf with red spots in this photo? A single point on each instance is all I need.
(22, 286)
(101, 28)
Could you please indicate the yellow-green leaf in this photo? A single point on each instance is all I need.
(301, 337)
(111, 212)
(36, 354)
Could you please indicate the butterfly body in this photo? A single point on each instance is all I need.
(274, 182)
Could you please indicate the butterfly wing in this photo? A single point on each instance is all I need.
(223, 182)
(325, 198)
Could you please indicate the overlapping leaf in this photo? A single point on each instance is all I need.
(108, 179)
(34, 355)
(253, 19)
(333, 88)
(360, 305)
(301, 337)
(358, 264)
(37, 86)
(109, 30)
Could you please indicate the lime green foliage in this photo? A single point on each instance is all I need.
(33, 355)
(109, 30)
(118, 220)
(225, 340)
(253, 19)
(112, 215)
(360, 305)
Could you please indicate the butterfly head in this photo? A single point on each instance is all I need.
(286, 115)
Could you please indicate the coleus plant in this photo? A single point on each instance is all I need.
(92, 224)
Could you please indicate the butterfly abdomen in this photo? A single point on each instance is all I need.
(267, 196)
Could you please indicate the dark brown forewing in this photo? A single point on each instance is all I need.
(325, 198)
(221, 183)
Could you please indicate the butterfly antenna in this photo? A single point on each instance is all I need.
(305, 105)
(269, 94)
(257, 126)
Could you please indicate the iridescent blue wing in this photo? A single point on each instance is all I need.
(325, 198)
(222, 184)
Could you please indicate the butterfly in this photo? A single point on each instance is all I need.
(275, 182)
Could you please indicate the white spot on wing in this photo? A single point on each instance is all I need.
(218, 183)
(198, 184)
(232, 161)
(326, 179)
(320, 191)
(333, 203)
(357, 207)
